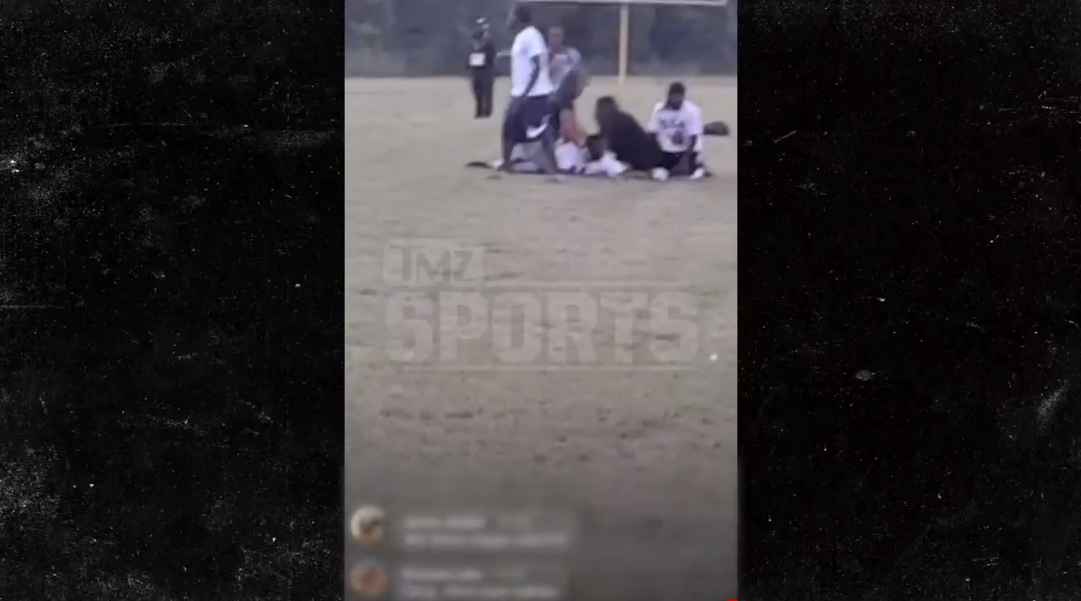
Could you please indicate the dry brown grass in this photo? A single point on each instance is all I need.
(647, 459)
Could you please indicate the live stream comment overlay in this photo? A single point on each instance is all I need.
(448, 305)
(493, 555)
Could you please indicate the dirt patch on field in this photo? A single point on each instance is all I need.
(646, 459)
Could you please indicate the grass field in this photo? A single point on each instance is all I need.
(646, 459)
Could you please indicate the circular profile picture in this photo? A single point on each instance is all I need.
(368, 525)
(369, 579)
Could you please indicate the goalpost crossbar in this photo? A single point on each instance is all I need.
(625, 19)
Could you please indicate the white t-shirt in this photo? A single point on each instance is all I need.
(529, 44)
(674, 129)
(569, 157)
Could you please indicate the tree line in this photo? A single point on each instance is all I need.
(426, 38)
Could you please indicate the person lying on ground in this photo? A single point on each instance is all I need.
(591, 159)
(625, 137)
(677, 126)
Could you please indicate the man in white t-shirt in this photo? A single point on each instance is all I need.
(528, 118)
(677, 124)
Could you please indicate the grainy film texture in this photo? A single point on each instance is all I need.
(540, 377)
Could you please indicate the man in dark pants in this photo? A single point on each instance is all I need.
(678, 127)
(528, 118)
(482, 70)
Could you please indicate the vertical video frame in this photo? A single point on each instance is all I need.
(540, 307)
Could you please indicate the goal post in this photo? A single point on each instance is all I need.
(625, 19)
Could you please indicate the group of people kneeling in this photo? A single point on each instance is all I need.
(670, 145)
(541, 131)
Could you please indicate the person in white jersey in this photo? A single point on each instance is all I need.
(677, 124)
(528, 117)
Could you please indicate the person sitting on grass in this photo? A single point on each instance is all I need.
(677, 125)
(591, 159)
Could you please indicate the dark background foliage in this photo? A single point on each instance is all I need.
(426, 37)
(910, 235)
(170, 362)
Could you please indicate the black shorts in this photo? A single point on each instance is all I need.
(557, 108)
(672, 160)
(529, 120)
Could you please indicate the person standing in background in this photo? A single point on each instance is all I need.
(482, 70)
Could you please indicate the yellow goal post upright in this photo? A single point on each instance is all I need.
(625, 19)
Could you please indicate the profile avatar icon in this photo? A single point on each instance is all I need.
(368, 525)
(369, 579)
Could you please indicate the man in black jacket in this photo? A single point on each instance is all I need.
(625, 137)
(482, 70)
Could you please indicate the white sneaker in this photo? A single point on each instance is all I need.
(660, 174)
(698, 173)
